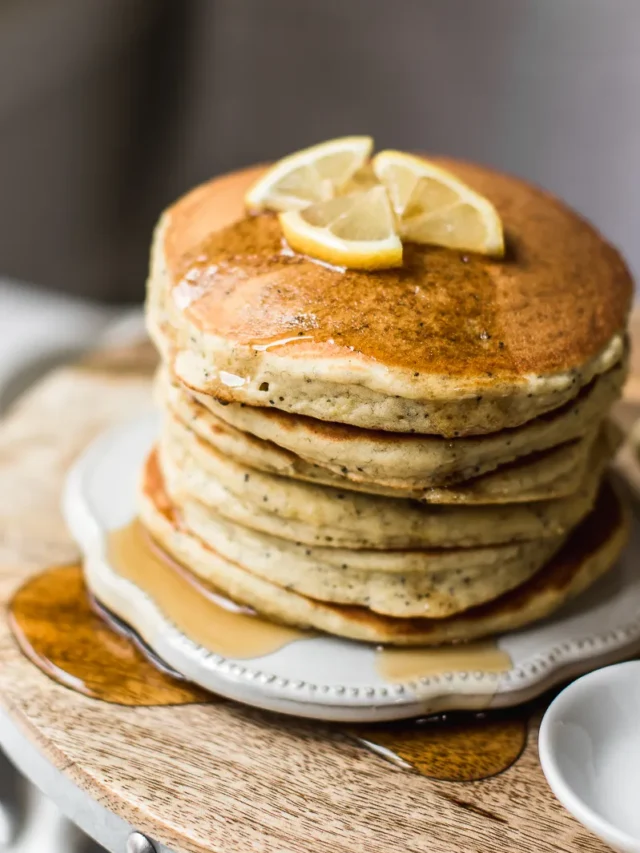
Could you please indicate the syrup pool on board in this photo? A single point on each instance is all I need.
(88, 650)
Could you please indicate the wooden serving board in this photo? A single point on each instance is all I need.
(220, 777)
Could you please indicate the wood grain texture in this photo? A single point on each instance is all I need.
(219, 777)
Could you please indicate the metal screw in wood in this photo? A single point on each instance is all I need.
(139, 843)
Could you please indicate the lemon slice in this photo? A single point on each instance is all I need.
(309, 176)
(433, 206)
(356, 231)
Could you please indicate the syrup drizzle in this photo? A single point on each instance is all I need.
(78, 643)
(57, 628)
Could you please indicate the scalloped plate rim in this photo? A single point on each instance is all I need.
(242, 681)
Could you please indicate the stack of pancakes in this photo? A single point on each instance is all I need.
(414, 455)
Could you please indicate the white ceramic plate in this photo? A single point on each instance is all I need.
(326, 677)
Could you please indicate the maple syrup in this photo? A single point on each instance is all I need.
(80, 644)
(57, 628)
(398, 664)
(462, 746)
(205, 616)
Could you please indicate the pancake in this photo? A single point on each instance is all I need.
(546, 475)
(450, 344)
(436, 583)
(553, 473)
(321, 515)
(589, 552)
(410, 462)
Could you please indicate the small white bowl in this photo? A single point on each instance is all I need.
(590, 753)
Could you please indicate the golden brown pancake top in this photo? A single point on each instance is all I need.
(554, 302)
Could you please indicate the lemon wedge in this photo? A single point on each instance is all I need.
(356, 231)
(313, 175)
(433, 206)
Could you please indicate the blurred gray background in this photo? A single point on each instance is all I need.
(111, 108)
